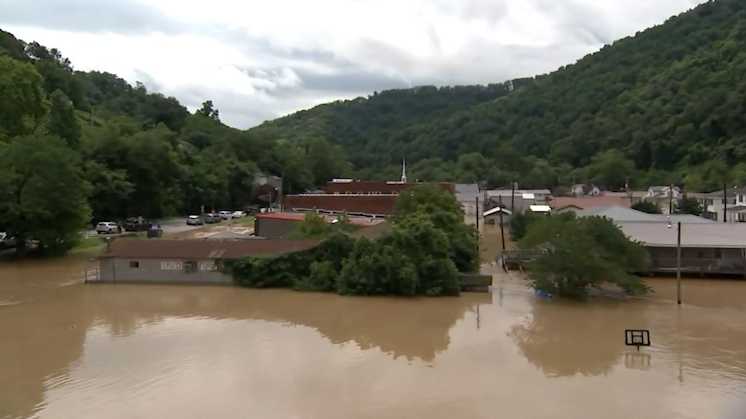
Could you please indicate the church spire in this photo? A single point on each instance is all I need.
(404, 171)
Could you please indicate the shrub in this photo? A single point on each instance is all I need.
(581, 254)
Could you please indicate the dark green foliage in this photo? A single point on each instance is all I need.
(21, 98)
(520, 222)
(315, 226)
(433, 204)
(669, 99)
(646, 207)
(581, 254)
(42, 193)
(416, 258)
(689, 206)
(62, 121)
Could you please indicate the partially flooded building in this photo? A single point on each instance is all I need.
(185, 261)
(706, 248)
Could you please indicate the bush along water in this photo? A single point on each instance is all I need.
(428, 245)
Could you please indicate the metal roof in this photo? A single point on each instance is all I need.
(692, 235)
(495, 211)
(622, 214)
(204, 249)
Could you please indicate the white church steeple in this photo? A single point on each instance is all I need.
(404, 171)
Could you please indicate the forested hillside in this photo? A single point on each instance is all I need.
(668, 104)
(82, 146)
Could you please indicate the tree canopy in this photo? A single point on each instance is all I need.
(579, 254)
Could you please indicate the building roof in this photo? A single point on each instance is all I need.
(204, 249)
(374, 205)
(348, 186)
(622, 214)
(496, 210)
(540, 208)
(692, 235)
(586, 202)
(466, 192)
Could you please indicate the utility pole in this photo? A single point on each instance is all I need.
(512, 199)
(678, 263)
(725, 203)
(476, 209)
(502, 231)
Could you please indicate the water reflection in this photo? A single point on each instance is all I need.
(46, 337)
(565, 338)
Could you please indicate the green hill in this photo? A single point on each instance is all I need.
(665, 105)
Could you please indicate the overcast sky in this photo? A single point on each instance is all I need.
(259, 59)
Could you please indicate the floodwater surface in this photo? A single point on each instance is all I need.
(70, 350)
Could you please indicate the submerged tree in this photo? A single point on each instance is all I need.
(579, 254)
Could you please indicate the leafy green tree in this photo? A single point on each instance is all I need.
(22, 104)
(208, 110)
(440, 208)
(62, 121)
(581, 254)
(111, 191)
(611, 169)
(520, 222)
(646, 207)
(43, 195)
(689, 206)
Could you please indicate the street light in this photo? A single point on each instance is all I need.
(678, 258)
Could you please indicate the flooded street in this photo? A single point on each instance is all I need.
(70, 350)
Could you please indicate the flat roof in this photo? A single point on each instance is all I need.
(300, 216)
(622, 214)
(692, 235)
(204, 248)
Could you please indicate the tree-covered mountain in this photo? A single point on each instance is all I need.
(667, 104)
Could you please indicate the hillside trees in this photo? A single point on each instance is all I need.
(43, 195)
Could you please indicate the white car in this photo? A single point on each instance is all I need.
(226, 215)
(238, 214)
(108, 227)
(194, 220)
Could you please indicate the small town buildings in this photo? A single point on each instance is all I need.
(366, 205)
(569, 204)
(664, 197)
(520, 200)
(185, 261)
(492, 216)
(735, 210)
(280, 225)
(706, 248)
(467, 195)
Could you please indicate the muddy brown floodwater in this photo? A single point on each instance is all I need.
(69, 350)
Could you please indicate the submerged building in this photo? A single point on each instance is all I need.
(185, 261)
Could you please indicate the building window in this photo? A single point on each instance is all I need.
(134, 264)
(718, 254)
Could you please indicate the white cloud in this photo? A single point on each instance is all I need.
(257, 59)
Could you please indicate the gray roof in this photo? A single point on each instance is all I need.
(621, 215)
(692, 235)
(466, 192)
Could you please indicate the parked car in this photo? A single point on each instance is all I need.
(226, 215)
(155, 231)
(108, 227)
(238, 214)
(136, 224)
(194, 220)
(212, 218)
(6, 241)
